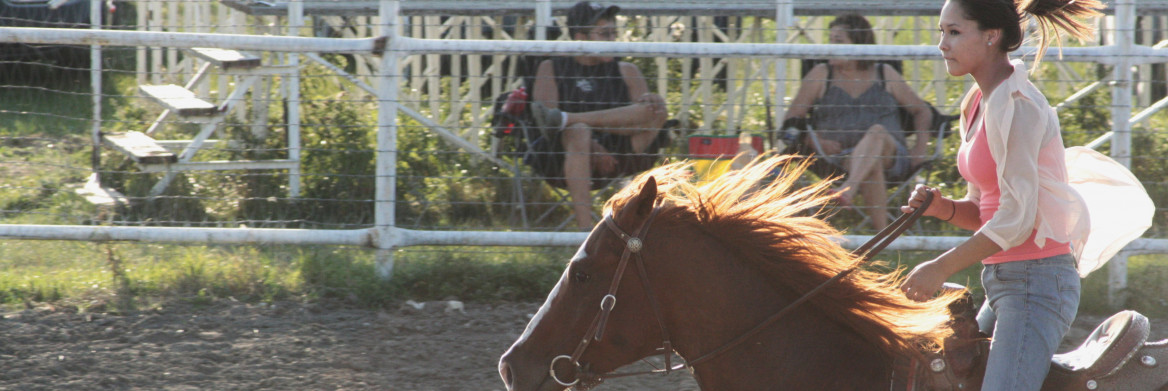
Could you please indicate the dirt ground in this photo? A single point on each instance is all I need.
(285, 346)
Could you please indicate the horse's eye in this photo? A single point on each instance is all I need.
(581, 276)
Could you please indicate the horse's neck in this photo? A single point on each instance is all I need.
(708, 309)
(800, 353)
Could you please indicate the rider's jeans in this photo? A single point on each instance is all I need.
(1029, 307)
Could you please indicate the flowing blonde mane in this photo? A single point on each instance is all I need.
(780, 230)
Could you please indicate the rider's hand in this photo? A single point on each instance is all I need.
(941, 207)
(924, 281)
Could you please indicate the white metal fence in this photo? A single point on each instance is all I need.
(367, 123)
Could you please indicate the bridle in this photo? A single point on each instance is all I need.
(633, 246)
(595, 332)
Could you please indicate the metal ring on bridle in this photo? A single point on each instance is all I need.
(610, 299)
(634, 245)
(552, 371)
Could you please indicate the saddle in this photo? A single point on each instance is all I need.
(1115, 356)
(1100, 363)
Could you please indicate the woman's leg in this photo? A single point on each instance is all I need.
(865, 166)
(1029, 307)
(875, 194)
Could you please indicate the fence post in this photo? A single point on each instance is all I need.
(295, 24)
(95, 84)
(784, 16)
(387, 102)
(543, 19)
(1121, 109)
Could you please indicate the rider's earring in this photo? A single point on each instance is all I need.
(990, 43)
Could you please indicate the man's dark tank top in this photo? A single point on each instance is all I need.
(584, 88)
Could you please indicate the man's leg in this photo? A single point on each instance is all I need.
(866, 166)
(644, 134)
(577, 141)
(625, 120)
(580, 163)
(637, 121)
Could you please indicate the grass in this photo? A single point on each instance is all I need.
(116, 277)
(43, 100)
(85, 274)
(1147, 277)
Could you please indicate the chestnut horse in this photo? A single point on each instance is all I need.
(697, 269)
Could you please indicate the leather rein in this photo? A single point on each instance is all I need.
(633, 246)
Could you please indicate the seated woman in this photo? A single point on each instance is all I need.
(854, 112)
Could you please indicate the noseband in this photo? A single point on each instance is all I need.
(633, 246)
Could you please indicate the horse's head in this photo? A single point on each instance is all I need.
(596, 319)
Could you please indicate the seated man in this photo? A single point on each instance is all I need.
(856, 118)
(596, 111)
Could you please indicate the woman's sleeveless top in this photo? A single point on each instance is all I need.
(840, 117)
(584, 88)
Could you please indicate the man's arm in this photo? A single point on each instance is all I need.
(639, 90)
(634, 80)
(544, 90)
(646, 111)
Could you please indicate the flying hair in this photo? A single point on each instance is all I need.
(1054, 15)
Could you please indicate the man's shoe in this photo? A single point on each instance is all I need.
(546, 118)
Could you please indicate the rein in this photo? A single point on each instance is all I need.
(634, 245)
(866, 251)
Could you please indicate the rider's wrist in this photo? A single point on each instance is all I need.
(953, 211)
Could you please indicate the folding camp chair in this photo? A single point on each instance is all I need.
(802, 140)
(805, 142)
(519, 138)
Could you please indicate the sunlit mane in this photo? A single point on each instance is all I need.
(779, 228)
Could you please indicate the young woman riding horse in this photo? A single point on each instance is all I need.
(1027, 218)
(754, 294)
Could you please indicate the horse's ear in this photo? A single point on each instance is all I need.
(645, 200)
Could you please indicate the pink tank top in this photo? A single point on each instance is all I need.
(977, 166)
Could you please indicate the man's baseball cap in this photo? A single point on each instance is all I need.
(585, 14)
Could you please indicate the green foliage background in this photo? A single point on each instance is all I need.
(438, 187)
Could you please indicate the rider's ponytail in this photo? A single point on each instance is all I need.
(1054, 15)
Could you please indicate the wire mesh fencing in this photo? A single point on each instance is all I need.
(275, 139)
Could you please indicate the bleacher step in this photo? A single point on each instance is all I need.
(226, 58)
(223, 165)
(178, 145)
(179, 100)
(140, 147)
(96, 194)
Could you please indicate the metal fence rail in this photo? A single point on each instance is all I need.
(385, 52)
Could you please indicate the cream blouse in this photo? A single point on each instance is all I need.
(1023, 134)
(1041, 192)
